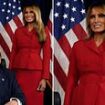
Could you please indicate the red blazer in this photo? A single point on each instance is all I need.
(86, 79)
(26, 51)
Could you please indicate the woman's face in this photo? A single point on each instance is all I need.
(29, 15)
(97, 20)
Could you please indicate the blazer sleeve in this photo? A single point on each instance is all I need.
(71, 79)
(46, 55)
(16, 91)
(13, 51)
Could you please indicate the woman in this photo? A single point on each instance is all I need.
(86, 78)
(32, 69)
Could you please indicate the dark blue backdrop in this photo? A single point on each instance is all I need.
(89, 2)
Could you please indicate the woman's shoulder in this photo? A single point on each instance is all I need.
(79, 42)
(19, 29)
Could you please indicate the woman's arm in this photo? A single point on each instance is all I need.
(72, 78)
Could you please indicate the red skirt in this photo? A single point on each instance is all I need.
(28, 81)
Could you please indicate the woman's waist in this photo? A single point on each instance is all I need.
(92, 78)
(26, 54)
(29, 50)
(28, 66)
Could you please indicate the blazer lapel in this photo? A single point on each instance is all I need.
(91, 45)
(102, 47)
(27, 33)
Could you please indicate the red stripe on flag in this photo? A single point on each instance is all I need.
(65, 45)
(9, 31)
(17, 21)
(4, 46)
(79, 31)
(60, 74)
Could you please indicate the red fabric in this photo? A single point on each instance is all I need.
(29, 80)
(86, 78)
(26, 51)
(26, 60)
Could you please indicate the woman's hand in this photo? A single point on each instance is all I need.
(42, 85)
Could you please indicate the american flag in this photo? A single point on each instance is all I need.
(69, 26)
(10, 19)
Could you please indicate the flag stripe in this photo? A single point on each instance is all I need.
(17, 21)
(60, 74)
(72, 38)
(12, 25)
(9, 31)
(20, 16)
(5, 36)
(4, 46)
(64, 44)
(63, 61)
(59, 89)
(79, 31)
(83, 24)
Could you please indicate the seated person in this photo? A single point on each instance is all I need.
(10, 92)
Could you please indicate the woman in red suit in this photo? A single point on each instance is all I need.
(32, 69)
(86, 78)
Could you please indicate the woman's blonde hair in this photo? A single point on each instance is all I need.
(95, 5)
(39, 26)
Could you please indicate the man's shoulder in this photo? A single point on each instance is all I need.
(5, 71)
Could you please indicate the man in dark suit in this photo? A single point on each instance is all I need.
(10, 92)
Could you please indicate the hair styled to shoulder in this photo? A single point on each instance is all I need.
(38, 24)
(100, 5)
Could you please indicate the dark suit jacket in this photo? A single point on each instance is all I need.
(9, 87)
